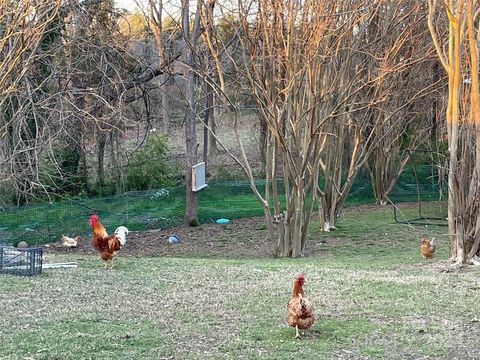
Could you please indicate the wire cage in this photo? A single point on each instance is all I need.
(20, 261)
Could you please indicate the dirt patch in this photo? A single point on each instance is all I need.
(240, 238)
(236, 239)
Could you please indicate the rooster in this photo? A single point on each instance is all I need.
(70, 242)
(107, 245)
(300, 309)
(427, 248)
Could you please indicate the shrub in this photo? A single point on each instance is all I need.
(148, 167)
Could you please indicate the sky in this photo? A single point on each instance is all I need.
(126, 4)
(170, 6)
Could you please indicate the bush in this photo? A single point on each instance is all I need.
(148, 167)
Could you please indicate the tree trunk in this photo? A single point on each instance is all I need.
(166, 111)
(210, 142)
(207, 120)
(100, 158)
(262, 143)
(212, 118)
(463, 124)
(191, 216)
(116, 161)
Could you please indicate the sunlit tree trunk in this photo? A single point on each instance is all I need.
(463, 120)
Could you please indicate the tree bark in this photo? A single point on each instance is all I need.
(166, 110)
(463, 119)
(212, 124)
(102, 140)
(191, 215)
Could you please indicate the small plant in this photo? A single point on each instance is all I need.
(162, 193)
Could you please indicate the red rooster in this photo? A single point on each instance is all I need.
(300, 309)
(107, 245)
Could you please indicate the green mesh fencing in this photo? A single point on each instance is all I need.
(163, 208)
(421, 182)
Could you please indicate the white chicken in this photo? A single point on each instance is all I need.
(70, 242)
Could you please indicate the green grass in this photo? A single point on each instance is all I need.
(154, 209)
(375, 298)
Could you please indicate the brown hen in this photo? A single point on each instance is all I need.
(300, 309)
(427, 248)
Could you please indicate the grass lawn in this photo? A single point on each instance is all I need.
(375, 298)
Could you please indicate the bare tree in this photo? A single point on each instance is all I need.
(64, 87)
(401, 93)
(156, 18)
(367, 115)
(311, 71)
(24, 27)
(283, 44)
(458, 53)
(96, 59)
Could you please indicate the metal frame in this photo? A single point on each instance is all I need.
(421, 219)
(21, 261)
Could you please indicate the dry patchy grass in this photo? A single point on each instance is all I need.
(374, 298)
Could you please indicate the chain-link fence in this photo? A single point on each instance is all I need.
(163, 208)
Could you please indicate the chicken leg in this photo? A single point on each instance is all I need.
(109, 264)
(297, 334)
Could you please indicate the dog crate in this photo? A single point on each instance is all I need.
(20, 261)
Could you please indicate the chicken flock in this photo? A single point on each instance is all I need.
(300, 309)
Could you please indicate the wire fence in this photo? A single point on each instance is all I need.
(164, 208)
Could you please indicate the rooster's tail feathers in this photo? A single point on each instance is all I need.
(121, 232)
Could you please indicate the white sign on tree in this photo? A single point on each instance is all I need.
(198, 177)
